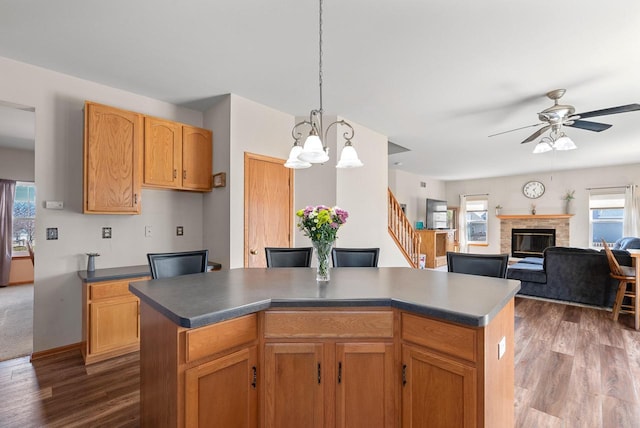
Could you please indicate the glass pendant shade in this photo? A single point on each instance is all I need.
(313, 151)
(542, 147)
(564, 143)
(349, 157)
(293, 161)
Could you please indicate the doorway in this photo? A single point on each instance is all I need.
(17, 164)
(268, 207)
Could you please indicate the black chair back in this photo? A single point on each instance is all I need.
(288, 257)
(355, 257)
(167, 265)
(478, 264)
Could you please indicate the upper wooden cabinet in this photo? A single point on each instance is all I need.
(197, 157)
(162, 153)
(177, 156)
(112, 160)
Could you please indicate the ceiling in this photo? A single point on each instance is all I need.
(435, 76)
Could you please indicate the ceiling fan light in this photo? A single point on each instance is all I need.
(293, 161)
(564, 143)
(313, 151)
(542, 147)
(349, 157)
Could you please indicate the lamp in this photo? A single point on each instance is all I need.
(555, 141)
(564, 143)
(314, 149)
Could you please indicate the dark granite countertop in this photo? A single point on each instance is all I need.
(111, 274)
(201, 299)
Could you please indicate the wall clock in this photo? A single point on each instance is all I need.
(533, 189)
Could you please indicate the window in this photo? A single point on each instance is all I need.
(477, 221)
(24, 215)
(606, 216)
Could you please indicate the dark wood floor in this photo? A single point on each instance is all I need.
(574, 368)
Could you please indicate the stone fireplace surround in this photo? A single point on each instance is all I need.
(559, 222)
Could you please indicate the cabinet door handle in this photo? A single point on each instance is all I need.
(135, 198)
(255, 377)
(340, 372)
(319, 377)
(175, 173)
(184, 174)
(404, 374)
(253, 252)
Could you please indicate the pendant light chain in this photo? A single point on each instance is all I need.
(315, 149)
(320, 63)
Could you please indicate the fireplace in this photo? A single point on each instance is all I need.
(531, 242)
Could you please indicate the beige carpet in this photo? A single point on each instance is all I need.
(16, 321)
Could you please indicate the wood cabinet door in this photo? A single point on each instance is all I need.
(114, 323)
(162, 153)
(112, 160)
(197, 158)
(365, 385)
(223, 392)
(294, 391)
(437, 392)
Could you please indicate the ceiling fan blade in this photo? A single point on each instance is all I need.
(611, 110)
(536, 134)
(517, 129)
(589, 126)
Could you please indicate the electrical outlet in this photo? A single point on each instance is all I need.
(180, 230)
(502, 347)
(147, 231)
(52, 233)
(106, 233)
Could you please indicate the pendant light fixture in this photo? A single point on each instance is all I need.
(315, 149)
(557, 140)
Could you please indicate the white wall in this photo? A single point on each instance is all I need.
(58, 100)
(17, 164)
(258, 129)
(363, 193)
(407, 190)
(507, 191)
(217, 235)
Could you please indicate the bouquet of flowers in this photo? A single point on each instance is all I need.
(321, 224)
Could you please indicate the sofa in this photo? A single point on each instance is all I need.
(569, 274)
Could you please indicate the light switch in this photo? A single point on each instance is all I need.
(106, 233)
(180, 230)
(147, 231)
(54, 205)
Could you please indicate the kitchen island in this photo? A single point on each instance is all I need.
(384, 347)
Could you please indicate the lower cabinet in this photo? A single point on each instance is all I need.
(111, 320)
(437, 392)
(223, 392)
(329, 384)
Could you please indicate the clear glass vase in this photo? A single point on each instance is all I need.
(323, 253)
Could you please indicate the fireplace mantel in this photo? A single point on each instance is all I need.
(532, 216)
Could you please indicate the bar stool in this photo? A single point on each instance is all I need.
(627, 287)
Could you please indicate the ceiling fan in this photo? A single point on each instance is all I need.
(559, 115)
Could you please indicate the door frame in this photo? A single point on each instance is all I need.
(253, 156)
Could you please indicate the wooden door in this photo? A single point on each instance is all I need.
(114, 323)
(223, 392)
(268, 205)
(294, 390)
(365, 385)
(112, 160)
(437, 392)
(197, 158)
(162, 153)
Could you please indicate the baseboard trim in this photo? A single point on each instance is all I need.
(53, 351)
